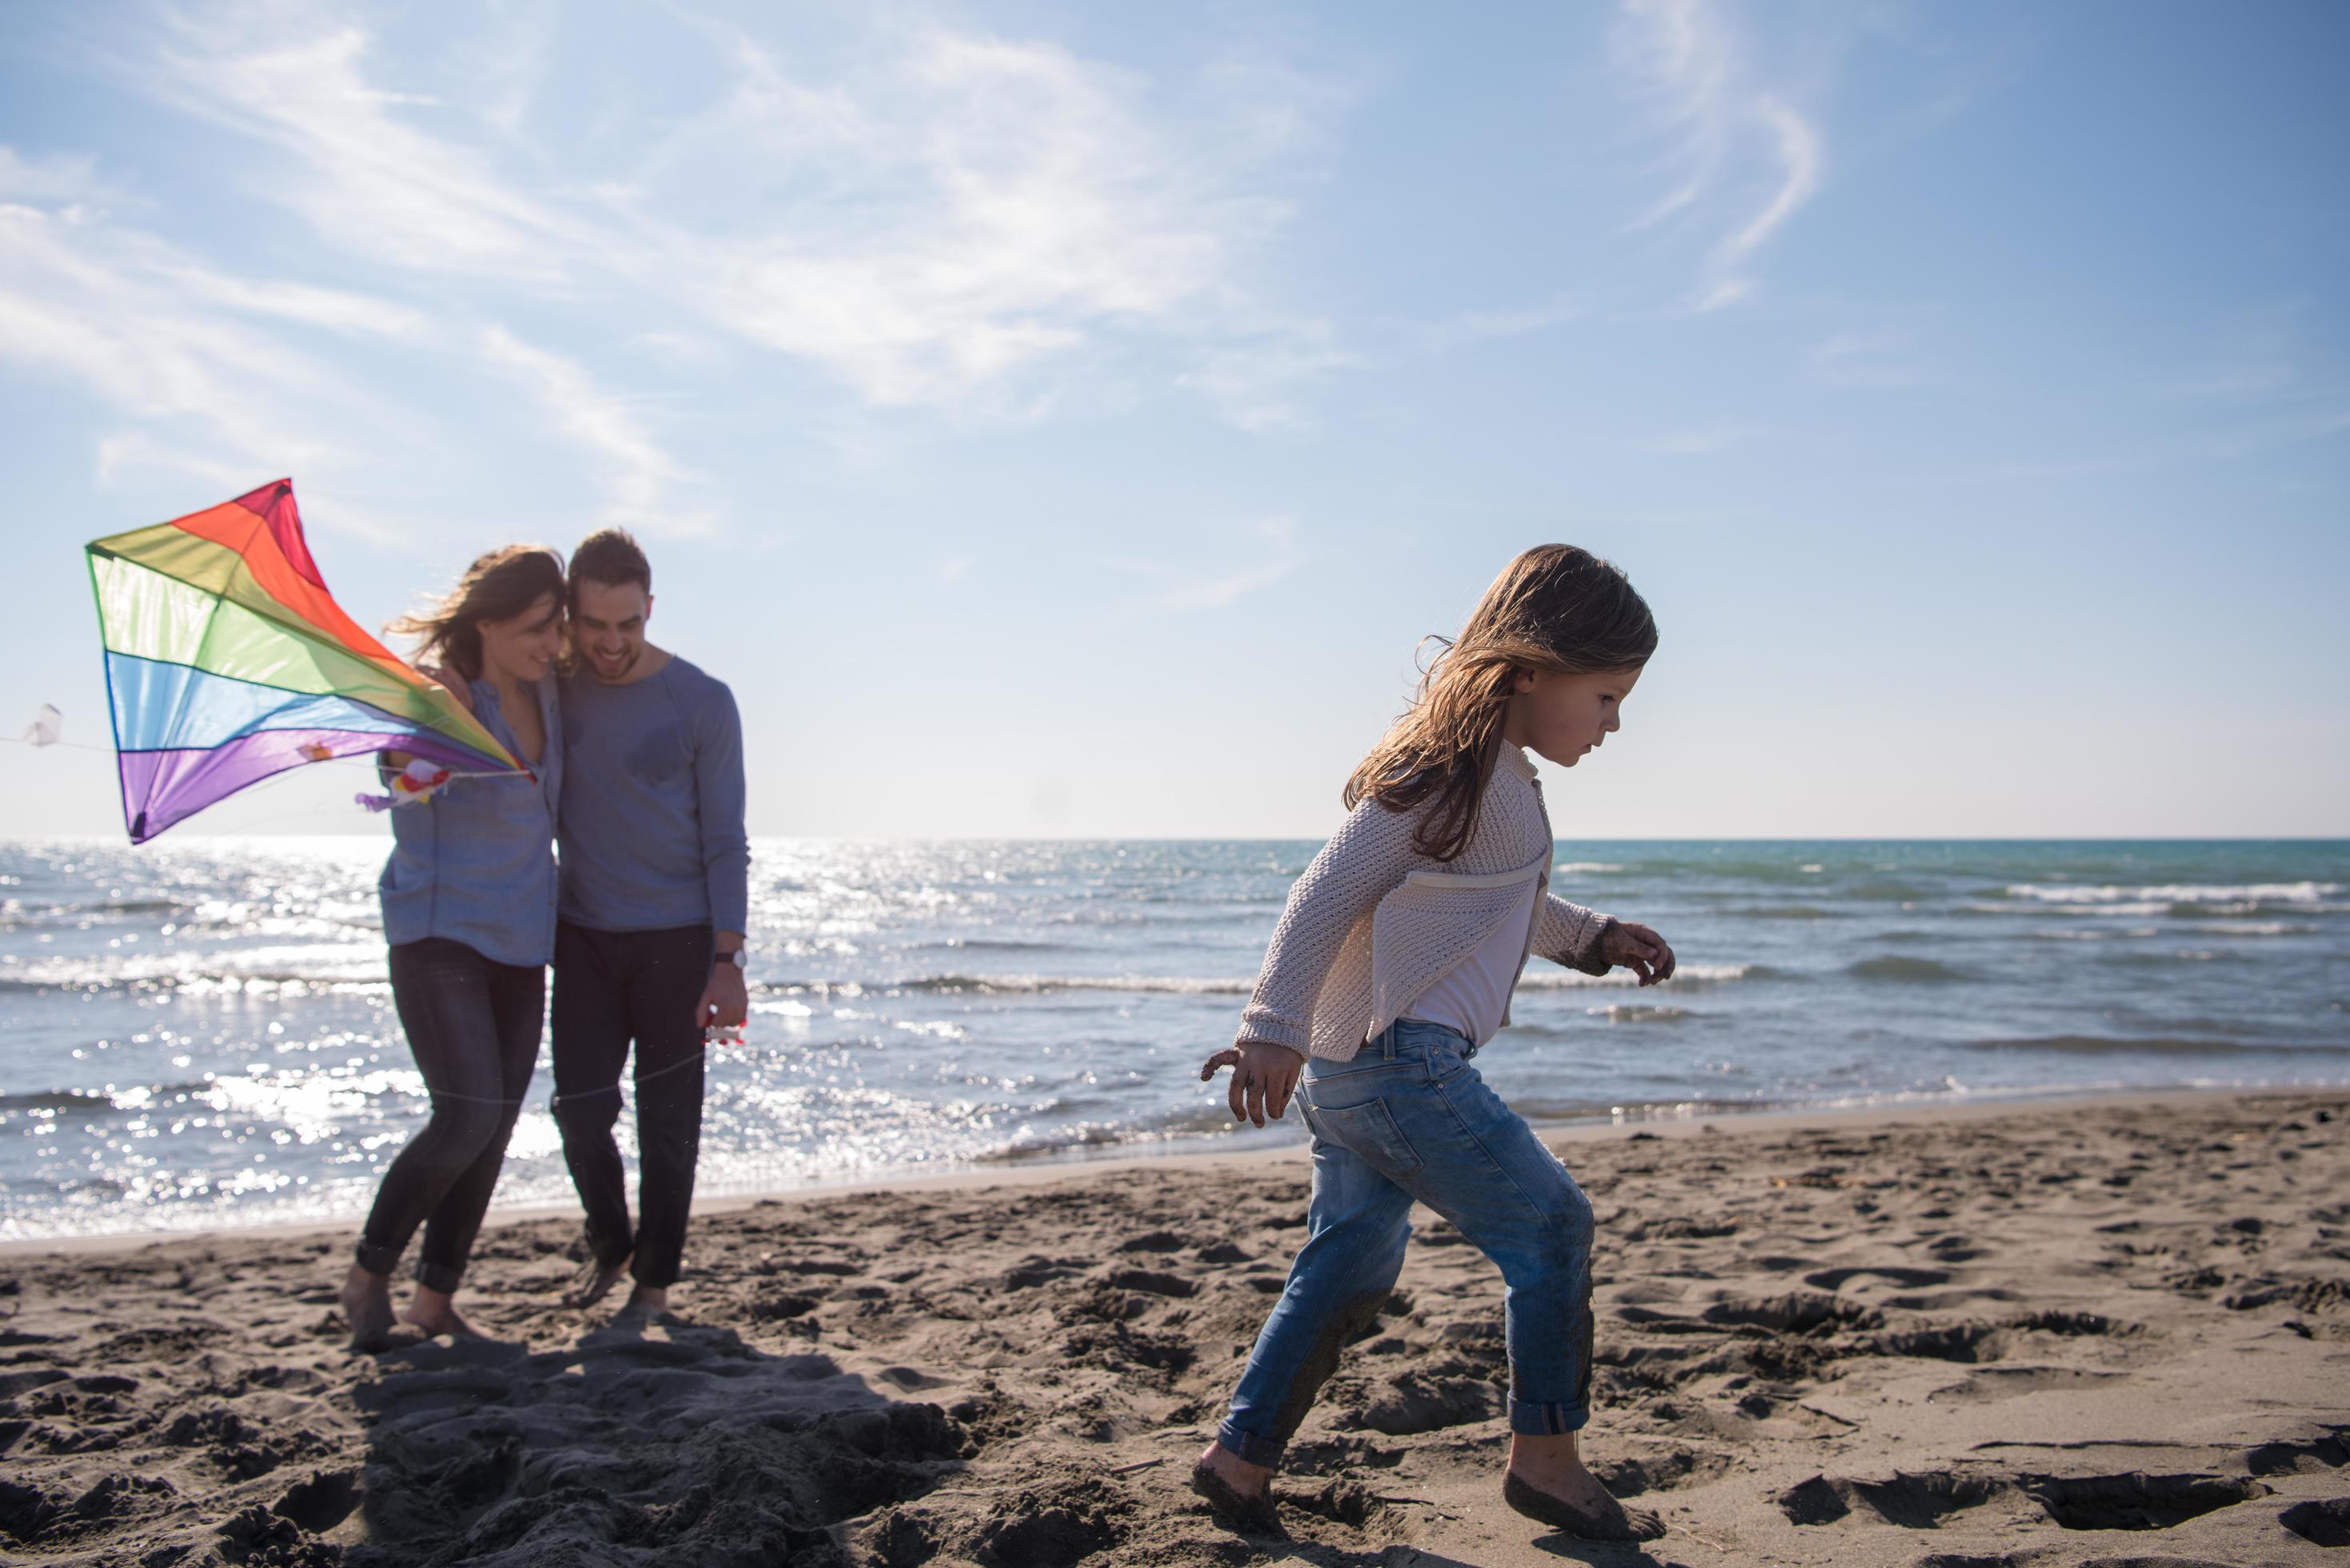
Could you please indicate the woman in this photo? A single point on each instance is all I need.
(469, 911)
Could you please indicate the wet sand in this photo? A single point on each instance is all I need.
(2111, 1332)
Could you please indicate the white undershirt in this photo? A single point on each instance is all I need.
(1474, 995)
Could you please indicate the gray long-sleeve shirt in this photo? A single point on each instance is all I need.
(652, 821)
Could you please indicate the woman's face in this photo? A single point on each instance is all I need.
(524, 648)
(1562, 717)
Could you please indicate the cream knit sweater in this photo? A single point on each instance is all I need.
(1374, 921)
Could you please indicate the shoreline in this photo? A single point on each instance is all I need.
(1047, 1170)
(2115, 1329)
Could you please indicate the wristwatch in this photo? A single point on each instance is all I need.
(734, 956)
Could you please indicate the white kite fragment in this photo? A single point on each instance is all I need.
(46, 727)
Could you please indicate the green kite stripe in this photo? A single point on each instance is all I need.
(149, 616)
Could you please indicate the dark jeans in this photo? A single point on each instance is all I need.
(612, 987)
(474, 1027)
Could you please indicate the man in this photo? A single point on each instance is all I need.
(654, 902)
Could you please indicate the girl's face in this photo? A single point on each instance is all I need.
(1561, 717)
(524, 649)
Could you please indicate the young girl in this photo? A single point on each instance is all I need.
(469, 913)
(1392, 965)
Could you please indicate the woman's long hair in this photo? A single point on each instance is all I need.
(499, 586)
(1555, 608)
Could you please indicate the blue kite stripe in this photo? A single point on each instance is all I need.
(159, 706)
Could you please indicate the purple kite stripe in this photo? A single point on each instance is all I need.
(161, 788)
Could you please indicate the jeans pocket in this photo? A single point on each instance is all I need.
(1370, 1131)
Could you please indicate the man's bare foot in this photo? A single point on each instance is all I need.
(1241, 1491)
(436, 1315)
(595, 1282)
(646, 1303)
(367, 1306)
(1546, 1481)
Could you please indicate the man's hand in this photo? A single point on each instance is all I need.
(1639, 950)
(726, 1001)
(1263, 1077)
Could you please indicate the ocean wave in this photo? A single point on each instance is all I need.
(55, 1100)
(1013, 984)
(2178, 893)
(1902, 969)
(1640, 1012)
(1788, 912)
(2146, 1045)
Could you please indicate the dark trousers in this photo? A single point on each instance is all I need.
(612, 987)
(474, 1027)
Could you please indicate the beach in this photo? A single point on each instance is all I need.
(2100, 1330)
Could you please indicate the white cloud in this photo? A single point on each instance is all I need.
(364, 175)
(1487, 325)
(1865, 360)
(168, 341)
(1268, 552)
(650, 490)
(1740, 157)
(1699, 442)
(935, 218)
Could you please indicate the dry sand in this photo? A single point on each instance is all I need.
(2113, 1333)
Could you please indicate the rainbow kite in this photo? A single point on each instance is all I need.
(227, 661)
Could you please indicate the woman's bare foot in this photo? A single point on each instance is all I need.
(595, 1282)
(1546, 1481)
(1241, 1491)
(434, 1312)
(646, 1303)
(367, 1306)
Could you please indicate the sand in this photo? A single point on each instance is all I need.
(2114, 1333)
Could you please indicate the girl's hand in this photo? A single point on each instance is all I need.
(1639, 950)
(1263, 1077)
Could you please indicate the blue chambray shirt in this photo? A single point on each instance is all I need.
(475, 863)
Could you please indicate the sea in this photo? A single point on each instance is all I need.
(200, 1032)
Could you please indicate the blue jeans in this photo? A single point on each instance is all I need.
(1408, 1119)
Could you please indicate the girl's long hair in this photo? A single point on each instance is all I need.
(1555, 608)
(499, 586)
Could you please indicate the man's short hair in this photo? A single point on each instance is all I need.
(609, 556)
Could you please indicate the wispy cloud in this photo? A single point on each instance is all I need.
(1267, 552)
(170, 342)
(943, 218)
(1470, 327)
(650, 490)
(1738, 155)
(1699, 442)
(1865, 360)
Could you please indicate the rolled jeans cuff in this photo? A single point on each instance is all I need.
(1250, 1446)
(375, 1258)
(1545, 1421)
(439, 1277)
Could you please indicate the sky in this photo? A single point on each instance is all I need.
(1058, 420)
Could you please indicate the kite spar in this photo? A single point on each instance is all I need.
(227, 662)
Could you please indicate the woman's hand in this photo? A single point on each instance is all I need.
(1263, 1078)
(450, 682)
(1638, 949)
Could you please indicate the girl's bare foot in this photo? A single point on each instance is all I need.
(1241, 1491)
(367, 1306)
(434, 1312)
(1546, 1481)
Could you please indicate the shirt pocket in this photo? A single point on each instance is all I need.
(1367, 1129)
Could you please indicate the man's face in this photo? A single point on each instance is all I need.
(607, 627)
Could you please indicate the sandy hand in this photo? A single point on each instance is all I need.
(1263, 1078)
(1639, 948)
